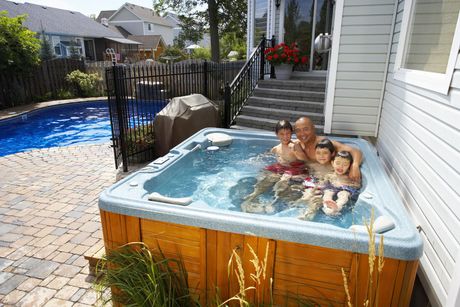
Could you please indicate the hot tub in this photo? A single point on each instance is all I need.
(305, 257)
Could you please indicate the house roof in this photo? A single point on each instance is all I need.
(148, 41)
(105, 14)
(146, 14)
(120, 30)
(56, 21)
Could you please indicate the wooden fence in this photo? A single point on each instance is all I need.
(43, 83)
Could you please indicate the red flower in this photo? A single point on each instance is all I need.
(304, 59)
(283, 53)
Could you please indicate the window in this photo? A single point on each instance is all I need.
(428, 44)
(149, 26)
(260, 21)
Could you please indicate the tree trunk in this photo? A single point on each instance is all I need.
(214, 30)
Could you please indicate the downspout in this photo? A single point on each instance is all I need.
(387, 63)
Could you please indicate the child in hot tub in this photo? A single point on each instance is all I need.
(312, 197)
(290, 163)
(339, 185)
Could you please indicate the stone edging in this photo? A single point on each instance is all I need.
(15, 111)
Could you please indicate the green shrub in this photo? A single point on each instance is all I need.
(85, 85)
(138, 277)
(201, 53)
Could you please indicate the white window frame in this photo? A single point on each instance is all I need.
(436, 82)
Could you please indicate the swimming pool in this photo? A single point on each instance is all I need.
(205, 231)
(60, 125)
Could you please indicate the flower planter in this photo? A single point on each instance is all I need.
(283, 71)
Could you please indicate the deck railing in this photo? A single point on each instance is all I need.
(241, 88)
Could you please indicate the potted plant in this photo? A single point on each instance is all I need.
(284, 57)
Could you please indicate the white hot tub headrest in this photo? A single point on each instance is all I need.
(381, 224)
(219, 139)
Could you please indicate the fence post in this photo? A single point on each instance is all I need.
(205, 79)
(272, 67)
(262, 57)
(117, 77)
(227, 106)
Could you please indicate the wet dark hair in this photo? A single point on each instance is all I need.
(345, 154)
(283, 124)
(326, 143)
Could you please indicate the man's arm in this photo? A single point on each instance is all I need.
(355, 173)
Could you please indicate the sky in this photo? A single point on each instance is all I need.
(88, 7)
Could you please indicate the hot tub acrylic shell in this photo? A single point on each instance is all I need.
(205, 236)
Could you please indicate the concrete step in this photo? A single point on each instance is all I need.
(300, 75)
(299, 85)
(251, 122)
(284, 104)
(289, 94)
(276, 114)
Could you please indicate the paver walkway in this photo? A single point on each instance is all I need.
(49, 219)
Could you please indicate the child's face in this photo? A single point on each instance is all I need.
(323, 155)
(284, 135)
(341, 165)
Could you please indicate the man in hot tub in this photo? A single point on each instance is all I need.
(307, 139)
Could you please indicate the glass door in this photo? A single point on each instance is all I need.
(303, 21)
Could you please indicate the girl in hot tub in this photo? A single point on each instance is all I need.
(339, 185)
(290, 163)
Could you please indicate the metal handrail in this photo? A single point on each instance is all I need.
(240, 89)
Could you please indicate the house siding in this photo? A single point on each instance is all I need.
(124, 15)
(363, 50)
(419, 143)
(133, 27)
(166, 32)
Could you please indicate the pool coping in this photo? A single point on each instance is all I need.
(23, 109)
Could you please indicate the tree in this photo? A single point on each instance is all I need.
(19, 47)
(219, 16)
(192, 31)
(46, 51)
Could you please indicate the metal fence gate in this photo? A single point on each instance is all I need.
(136, 93)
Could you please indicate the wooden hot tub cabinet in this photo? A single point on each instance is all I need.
(297, 269)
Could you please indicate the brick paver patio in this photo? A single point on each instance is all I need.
(49, 220)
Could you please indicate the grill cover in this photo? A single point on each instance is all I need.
(182, 117)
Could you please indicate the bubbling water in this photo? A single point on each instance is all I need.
(223, 178)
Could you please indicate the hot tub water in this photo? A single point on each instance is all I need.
(222, 178)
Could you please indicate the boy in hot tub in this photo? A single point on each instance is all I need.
(290, 163)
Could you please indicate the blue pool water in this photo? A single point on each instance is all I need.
(63, 125)
(222, 179)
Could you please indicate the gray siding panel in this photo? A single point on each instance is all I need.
(365, 35)
(419, 142)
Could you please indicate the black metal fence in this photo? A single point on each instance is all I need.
(238, 91)
(136, 93)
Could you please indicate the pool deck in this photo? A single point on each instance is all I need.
(49, 221)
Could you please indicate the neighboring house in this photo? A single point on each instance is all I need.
(393, 74)
(68, 30)
(205, 42)
(138, 20)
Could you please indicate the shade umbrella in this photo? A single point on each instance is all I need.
(194, 46)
